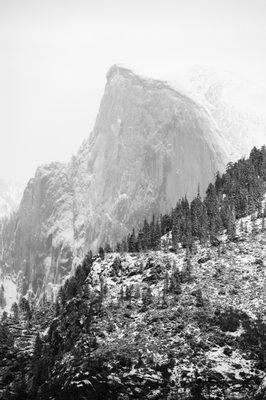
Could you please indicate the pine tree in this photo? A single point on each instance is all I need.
(140, 241)
(146, 235)
(176, 234)
(14, 310)
(259, 210)
(165, 287)
(263, 220)
(87, 263)
(80, 275)
(253, 226)
(187, 271)
(71, 287)
(118, 248)
(218, 183)
(124, 246)
(117, 265)
(57, 308)
(152, 233)
(187, 239)
(128, 294)
(251, 208)
(146, 297)
(101, 252)
(2, 297)
(25, 307)
(199, 298)
(185, 224)
(164, 244)
(107, 248)
(38, 345)
(44, 299)
(204, 225)
(20, 388)
(196, 216)
(132, 242)
(86, 293)
(121, 294)
(61, 297)
(4, 316)
(231, 230)
(157, 236)
(175, 282)
(166, 223)
(212, 205)
(256, 158)
(103, 288)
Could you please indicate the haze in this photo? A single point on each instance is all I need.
(55, 54)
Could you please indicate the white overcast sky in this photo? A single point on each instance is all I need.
(55, 54)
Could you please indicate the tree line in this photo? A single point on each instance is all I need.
(236, 193)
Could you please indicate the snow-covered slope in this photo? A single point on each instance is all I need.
(10, 196)
(154, 325)
(8, 293)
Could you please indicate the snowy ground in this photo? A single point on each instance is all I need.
(11, 293)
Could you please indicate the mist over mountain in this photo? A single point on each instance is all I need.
(10, 197)
(237, 106)
(151, 144)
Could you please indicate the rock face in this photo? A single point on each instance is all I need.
(38, 238)
(150, 146)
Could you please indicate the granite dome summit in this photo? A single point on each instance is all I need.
(150, 145)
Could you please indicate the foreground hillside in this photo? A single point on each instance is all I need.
(151, 325)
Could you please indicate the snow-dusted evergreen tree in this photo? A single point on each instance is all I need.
(165, 287)
(101, 252)
(175, 282)
(176, 225)
(146, 297)
(15, 311)
(231, 228)
(196, 216)
(213, 211)
(2, 297)
(263, 220)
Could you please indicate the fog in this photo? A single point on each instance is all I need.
(55, 55)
